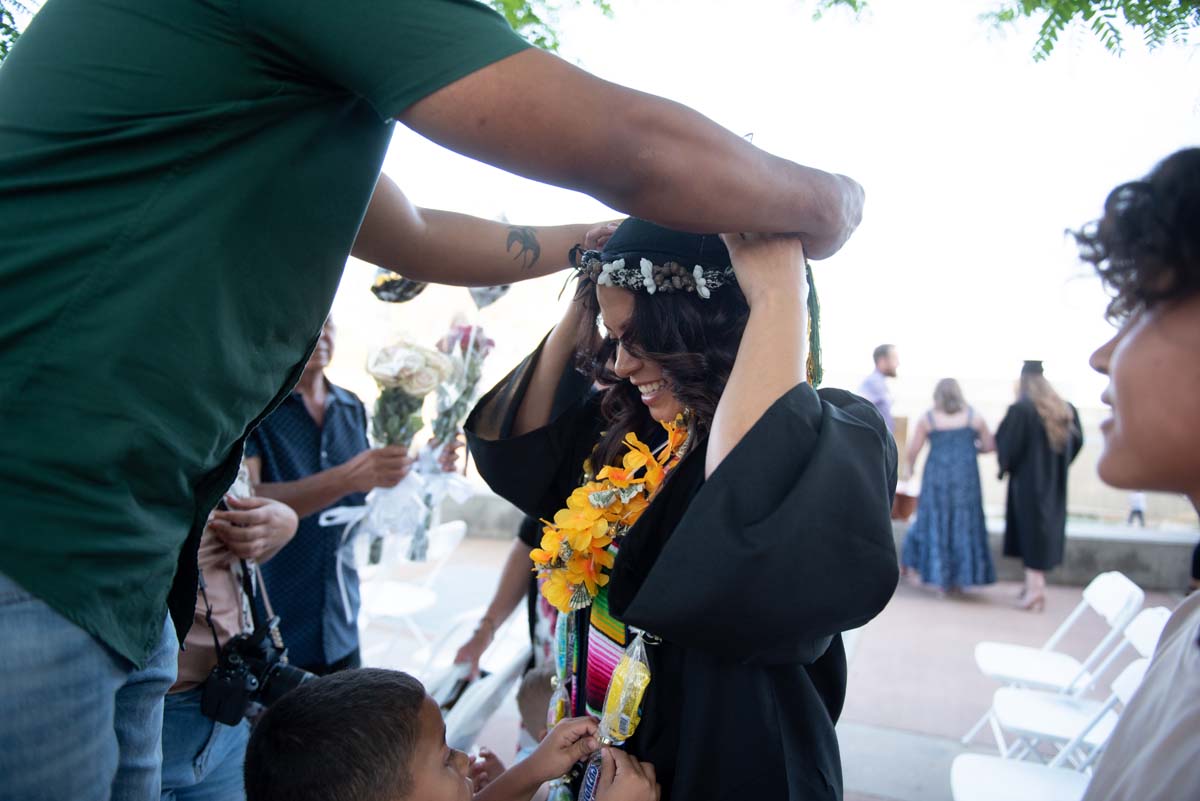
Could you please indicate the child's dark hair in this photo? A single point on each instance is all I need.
(1146, 247)
(349, 736)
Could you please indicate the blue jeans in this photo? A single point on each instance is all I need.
(202, 759)
(77, 720)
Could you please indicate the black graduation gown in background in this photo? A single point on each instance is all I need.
(748, 577)
(1035, 514)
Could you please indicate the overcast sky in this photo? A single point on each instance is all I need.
(974, 157)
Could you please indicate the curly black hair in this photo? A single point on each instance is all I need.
(1146, 247)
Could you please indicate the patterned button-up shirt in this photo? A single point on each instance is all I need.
(302, 579)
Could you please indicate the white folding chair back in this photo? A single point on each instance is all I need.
(977, 777)
(481, 700)
(1112, 596)
(1126, 684)
(1145, 629)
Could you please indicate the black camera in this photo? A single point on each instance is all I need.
(250, 670)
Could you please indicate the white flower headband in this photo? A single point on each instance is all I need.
(652, 278)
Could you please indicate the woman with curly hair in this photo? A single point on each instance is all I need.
(708, 503)
(1036, 442)
(1146, 249)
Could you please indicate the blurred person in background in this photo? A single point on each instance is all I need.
(947, 543)
(875, 386)
(1036, 442)
(1146, 248)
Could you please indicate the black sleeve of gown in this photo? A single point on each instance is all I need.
(539, 469)
(788, 543)
(1011, 438)
(1076, 441)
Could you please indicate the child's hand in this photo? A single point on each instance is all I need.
(623, 778)
(485, 768)
(567, 743)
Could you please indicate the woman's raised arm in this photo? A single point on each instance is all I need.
(773, 354)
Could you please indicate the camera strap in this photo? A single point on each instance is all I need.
(248, 588)
(208, 609)
(248, 585)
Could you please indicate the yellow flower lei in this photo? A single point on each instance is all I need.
(574, 556)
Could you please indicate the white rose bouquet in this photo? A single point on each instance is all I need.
(406, 373)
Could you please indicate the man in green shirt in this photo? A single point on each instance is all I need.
(180, 185)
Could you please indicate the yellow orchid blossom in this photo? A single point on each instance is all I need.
(591, 515)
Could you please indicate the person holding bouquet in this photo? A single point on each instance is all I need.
(312, 453)
(713, 522)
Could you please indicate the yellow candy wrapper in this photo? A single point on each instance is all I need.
(623, 700)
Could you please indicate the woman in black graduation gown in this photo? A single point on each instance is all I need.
(1035, 444)
(767, 539)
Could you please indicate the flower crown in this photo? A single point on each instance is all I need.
(651, 278)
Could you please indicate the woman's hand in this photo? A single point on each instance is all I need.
(768, 265)
(255, 527)
(472, 650)
(569, 742)
(597, 237)
(448, 458)
(623, 778)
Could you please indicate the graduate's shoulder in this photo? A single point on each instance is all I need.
(847, 407)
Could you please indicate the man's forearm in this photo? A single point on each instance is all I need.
(536, 115)
(452, 248)
(307, 495)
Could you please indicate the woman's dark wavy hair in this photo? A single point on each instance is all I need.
(1146, 247)
(695, 341)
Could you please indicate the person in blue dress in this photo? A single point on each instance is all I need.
(947, 543)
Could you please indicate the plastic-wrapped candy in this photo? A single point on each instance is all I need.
(560, 704)
(392, 287)
(622, 708)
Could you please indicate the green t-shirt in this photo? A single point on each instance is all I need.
(180, 184)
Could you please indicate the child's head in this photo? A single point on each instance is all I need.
(358, 735)
(1146, 248)
(533, 700)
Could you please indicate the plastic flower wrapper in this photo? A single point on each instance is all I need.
(622, 708)
(466, 347)
(406, 373)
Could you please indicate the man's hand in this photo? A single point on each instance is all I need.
(485, 768)
(569, 742)
(253, 528)
(623, 778)
(377, 467)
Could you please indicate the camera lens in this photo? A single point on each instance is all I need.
(279, 679)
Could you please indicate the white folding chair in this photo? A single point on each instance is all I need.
(980, 777)
(1078, 727)
(1112, 596)
(387, 600)
(1040, 716)
(481, 700)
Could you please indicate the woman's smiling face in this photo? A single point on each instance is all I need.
(616, 313)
